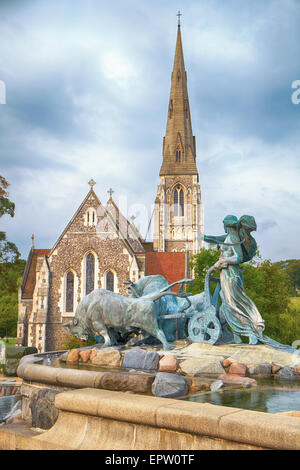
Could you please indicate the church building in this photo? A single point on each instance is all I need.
(101, 248)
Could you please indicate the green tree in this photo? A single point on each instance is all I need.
(11, 269)
(10, 280)
(292, 269)
(8, 250)
(200, 263)
(6, 206)
(269, 288)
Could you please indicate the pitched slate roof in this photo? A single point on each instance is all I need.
(171, 265)
(29, 277)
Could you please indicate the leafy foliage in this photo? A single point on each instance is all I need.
(6, 206)
(8, 250)
(200, 263)
(10, 280)
(292, 268)
(11, 269)
(72, 342)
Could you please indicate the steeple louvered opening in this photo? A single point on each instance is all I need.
(178, 198)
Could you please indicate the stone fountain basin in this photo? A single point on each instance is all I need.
(199, 365)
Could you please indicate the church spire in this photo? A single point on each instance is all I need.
(179, 149)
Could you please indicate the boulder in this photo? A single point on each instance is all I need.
(226, 363)
(169, 385)
(124, 383)
(64, 357)
(287, 373)
(73, 355)
(261, 370)
(140, 359)
(93, 354)
(17, 352)
(215, 386)
(10, 367)
(198, 385)
(13, 356)
(237, 379)
(84, 355)
(43, 411)
(203, 365)
(107, 357)
(168, 363)
(238, 369)
(275, 368)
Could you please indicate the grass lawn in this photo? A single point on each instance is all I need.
(295, 301)
(11, 341)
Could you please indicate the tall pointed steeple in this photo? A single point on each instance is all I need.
(179, 147)
(178, 220)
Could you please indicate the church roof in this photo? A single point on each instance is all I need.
(89, 194)
(127, 229)
(29, 277)
(171, 265)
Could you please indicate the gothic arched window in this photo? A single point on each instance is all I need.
(178, 202)
(70, 292)
(178, 155)
(89, 273)
(110, 281)
(181, 202)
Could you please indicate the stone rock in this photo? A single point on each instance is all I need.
(73, 355)
(168, 363)
(275, 368)
(287, 373)
(64, 357)
(238, 369)
(226, 363)
(261, 370)
(123, 382)
(17, 352)
(196, 385)
(237, 379)
(204, 365)
(84, 355)
(10, 367)
(140, 359)
(216, 385)
(297, 370)
(93, 354)
(43, 411)
(107, 357)
(169, 385)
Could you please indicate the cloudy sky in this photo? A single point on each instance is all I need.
(87, 90)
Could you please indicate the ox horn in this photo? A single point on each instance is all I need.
(68, 324)
(161, 294)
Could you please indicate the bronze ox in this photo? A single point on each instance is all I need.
(102, 311)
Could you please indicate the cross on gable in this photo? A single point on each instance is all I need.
(92, 183)
(110, 192)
